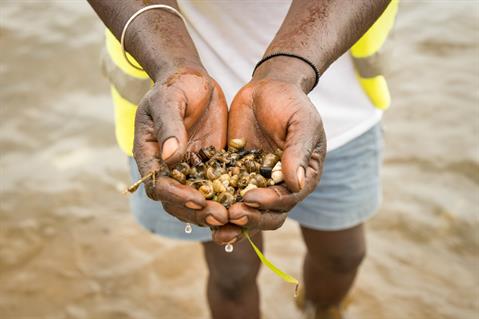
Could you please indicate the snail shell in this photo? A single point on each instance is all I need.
(242, 153)
(256, 153)
(243, 180)
(218, 186)
(213, 173)
(252, 166)
(261, 181)
(225, 179)
(207, 152)
(248, 157)
(226, 199)
(266, 171)
(277, 174)
(235, 171)
(179, 176)
(206, 189)
(252, 179)
(270, 160)
(184, 168)
(234, 180)
(247, 189)
(237, 143)
(193, 159)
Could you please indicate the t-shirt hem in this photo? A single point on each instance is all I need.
(353, 132)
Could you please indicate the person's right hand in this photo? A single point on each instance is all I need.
(185, 110)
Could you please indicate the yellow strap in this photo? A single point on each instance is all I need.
(377, 90)
(124, 121)
(114, 50)
(281, 274)
(375, 37)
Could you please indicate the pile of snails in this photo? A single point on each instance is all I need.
(225, 176)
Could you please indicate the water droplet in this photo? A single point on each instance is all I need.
(229, 248)
(188, 228)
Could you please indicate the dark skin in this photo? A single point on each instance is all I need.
(186, 110)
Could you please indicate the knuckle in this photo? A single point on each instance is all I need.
(151, 193)
(199, 219)
(278, 223)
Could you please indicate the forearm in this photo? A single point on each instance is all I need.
(321, 31)
(158, 39)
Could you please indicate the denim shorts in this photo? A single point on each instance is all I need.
(348, 194)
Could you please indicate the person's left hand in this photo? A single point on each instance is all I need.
(271, 113)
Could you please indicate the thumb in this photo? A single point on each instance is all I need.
(169, 129)
(304, 134)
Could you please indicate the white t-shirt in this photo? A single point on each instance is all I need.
(231, 37)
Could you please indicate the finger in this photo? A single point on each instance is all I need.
(228, 233)
(169, 190)
(213, 214)
(167, 114)
(241, 117)
(281, 199)
(212, 124)
(277, 198)
(305, 134)
(146, 150)
(252, 218)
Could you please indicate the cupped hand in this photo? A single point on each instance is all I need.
(184, 111)
(271, 114)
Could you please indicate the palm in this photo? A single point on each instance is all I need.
(264, 114)
(206, 119)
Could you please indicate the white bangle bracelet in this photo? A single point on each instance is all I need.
(136, 14)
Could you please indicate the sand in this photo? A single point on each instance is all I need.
(69, 247)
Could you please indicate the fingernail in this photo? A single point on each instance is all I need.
(213, 221)
(300, 174)
(240, 221)
(169, 148)
(254, 205)
(192, 205)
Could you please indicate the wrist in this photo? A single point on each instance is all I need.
(190, 79)
(160, 42)
(287, 69)
(169, 67)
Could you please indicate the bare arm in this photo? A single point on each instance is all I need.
(320, 31)
(157, 39)
(183, 111)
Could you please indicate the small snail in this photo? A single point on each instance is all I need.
(236, 144)
(226, 199)
(277, 174)
(218, 186)
(179, 176)
(206, 189)
(184, 168)
(247, 189)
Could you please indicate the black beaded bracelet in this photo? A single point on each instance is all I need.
(291, 55)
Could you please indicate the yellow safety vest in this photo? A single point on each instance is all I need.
(128, 85)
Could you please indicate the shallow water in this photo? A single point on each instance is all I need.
(70, 249)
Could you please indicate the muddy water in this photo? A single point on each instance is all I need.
(70, 249)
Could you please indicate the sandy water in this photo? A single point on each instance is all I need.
(70, 249)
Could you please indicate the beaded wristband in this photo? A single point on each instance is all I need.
(291, 55)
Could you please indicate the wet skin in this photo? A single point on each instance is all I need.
(186, 110)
